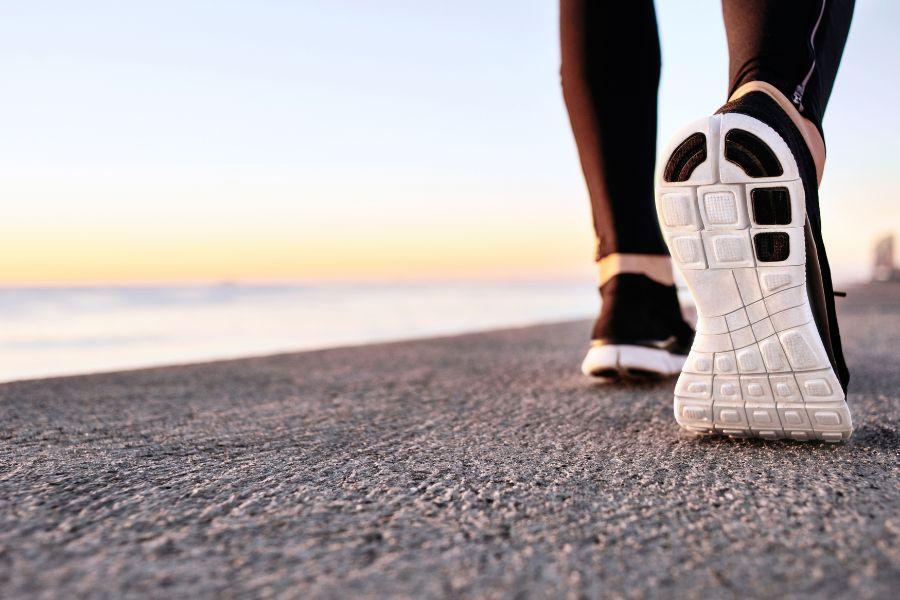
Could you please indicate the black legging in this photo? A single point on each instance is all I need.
(610, 75)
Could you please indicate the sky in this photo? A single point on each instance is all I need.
(180, 141)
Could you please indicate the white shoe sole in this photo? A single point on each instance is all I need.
(621, 361)
(757, 367)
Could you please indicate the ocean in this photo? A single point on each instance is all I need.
(51, 331)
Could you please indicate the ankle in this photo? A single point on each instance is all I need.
(808, 129)
(657, 267)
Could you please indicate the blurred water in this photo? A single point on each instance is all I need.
(57, 331)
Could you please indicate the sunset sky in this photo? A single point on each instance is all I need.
(250, 141)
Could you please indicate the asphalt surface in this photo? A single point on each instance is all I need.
(476, 466)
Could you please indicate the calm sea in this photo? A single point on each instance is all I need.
(60, 331)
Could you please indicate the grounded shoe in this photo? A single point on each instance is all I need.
(640, 332)
(737, 200)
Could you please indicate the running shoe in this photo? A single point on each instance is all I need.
(640, 332)
(737, 201)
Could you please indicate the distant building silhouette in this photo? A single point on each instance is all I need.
(884, 260)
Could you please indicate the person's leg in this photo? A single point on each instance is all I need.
(612, 109)
(791, 51)
(612, 104)
(739, 205)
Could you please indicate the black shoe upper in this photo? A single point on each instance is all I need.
(637, 310)
(818, 274)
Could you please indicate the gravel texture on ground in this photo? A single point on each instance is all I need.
(482, 465)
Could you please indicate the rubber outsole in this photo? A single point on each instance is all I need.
(622, 361)
(758, 366)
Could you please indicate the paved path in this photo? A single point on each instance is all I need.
(475, 466)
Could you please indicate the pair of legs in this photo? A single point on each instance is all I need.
(736, 201)
(610, 75)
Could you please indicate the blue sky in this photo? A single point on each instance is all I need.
(293, 140)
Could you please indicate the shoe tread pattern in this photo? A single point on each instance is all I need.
(758, 367)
